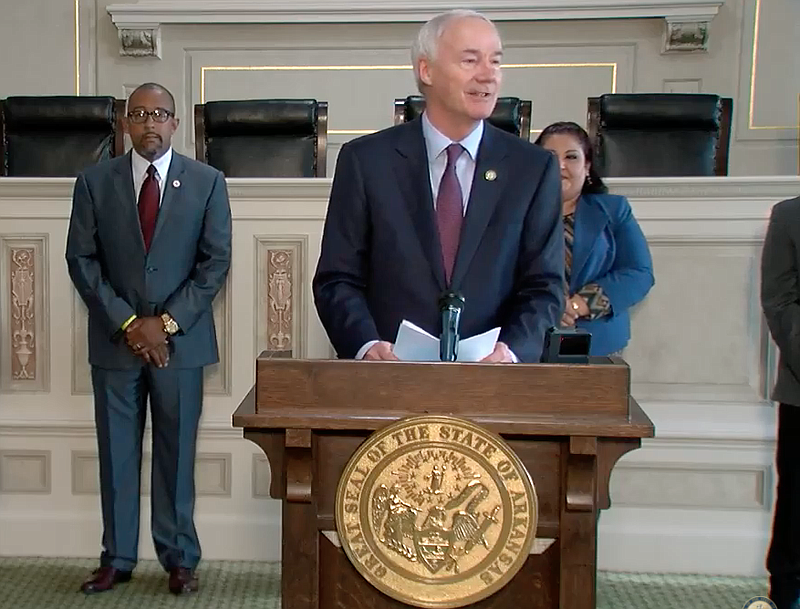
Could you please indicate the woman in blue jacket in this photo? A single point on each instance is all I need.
(608, 263)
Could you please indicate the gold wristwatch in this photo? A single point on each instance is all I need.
(170, 325)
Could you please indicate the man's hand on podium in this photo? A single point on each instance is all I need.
(381, 351)
(501, 355)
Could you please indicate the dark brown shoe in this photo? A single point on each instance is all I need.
(103, 579)
(182, 581)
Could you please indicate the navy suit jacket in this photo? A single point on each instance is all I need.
(186, 266)
(381, 259)
(609, 249)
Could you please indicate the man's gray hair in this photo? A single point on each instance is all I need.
(427, 42)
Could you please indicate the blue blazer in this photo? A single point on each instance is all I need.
(610, 250)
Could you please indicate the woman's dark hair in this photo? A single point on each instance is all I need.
(594, 185)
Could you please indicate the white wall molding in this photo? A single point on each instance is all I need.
(139, 24)
(679, 424)
(148, 14)
(763, 111)
(217, 377)
(212, 473)
(79, 327)
(73, 428)
(86, 44)
(683, 484)
(25, 471)
(77, 533)
(34, 189)
(688, 541)
(732, 190)
(716, 425)
(261, 474)
(655, 199)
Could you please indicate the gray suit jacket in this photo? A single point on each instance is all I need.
(186, 266)
(780, 295)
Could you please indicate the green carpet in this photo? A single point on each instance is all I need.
(37, 583)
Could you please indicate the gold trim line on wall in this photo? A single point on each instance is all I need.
(77, 47)
(753, 63)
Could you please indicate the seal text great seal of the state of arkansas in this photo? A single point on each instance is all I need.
(436, 511)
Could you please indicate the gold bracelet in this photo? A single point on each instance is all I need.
(128, 322)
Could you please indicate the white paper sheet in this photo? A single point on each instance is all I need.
(413, 344)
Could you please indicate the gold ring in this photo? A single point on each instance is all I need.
(575, 306)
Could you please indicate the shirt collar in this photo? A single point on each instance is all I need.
(140, 164)
(436, 141)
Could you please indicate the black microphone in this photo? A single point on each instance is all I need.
(451, 305)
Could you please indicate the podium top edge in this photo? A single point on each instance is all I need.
(594, 361)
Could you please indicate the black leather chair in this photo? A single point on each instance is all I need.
(276, 138)
(510, 113)
(660, 134)
(59, 136)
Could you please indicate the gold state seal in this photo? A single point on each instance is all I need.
(436, 511)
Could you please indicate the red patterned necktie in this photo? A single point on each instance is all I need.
(148, 206)
(450, 210)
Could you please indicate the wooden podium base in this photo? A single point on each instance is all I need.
(569, 429)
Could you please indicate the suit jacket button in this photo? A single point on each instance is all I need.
(150, 269)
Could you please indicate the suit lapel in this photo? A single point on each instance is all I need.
(171, 192)
(483, 198)
(123, 184)
(414, 182)
(590, 220)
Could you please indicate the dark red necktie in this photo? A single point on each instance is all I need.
(148, 206)
(450, 210)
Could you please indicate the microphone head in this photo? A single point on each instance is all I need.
(451, 300)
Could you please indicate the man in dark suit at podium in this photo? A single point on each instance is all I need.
(148, 249)
(445, 202)
(780, 298)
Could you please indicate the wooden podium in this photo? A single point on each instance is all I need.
(567, 423)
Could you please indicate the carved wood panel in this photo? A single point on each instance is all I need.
(280, 295)
(24, 320)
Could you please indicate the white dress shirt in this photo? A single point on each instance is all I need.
(139, 166)
(436, 144)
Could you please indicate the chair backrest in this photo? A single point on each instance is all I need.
(660, 134)
(510, 113)
(276, 138)
(58, 136)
